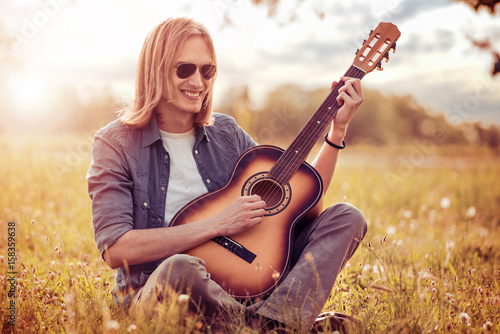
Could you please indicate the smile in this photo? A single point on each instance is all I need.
(191, 94)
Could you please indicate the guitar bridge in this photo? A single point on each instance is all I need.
(235, 248)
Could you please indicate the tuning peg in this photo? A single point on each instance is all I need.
(379, 66)
(371, 32)
(393, 47)
(386, 56)
(357, 51)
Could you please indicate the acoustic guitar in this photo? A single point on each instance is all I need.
(253, 263)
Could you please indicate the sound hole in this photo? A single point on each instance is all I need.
(270, 192)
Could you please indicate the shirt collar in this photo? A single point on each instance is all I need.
(150, 133)
(200, 134)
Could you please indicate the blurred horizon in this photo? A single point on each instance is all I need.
(68, 62)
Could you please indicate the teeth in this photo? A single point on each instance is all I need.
(191, 94)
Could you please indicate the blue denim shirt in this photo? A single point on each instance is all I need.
(129, 174)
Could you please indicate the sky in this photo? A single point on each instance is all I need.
(307, 42)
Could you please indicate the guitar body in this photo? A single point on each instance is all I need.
(267, 246)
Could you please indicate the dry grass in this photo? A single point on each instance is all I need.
(429, 263)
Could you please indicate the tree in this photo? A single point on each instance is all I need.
(477, 4)
(485, 44)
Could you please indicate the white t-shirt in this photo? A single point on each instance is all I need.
(185, 182)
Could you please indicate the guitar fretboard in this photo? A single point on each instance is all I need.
(303, 143)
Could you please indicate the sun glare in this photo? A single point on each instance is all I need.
(27, 92)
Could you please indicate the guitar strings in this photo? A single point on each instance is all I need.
(302, 143)
(287, 169)
(330, 101)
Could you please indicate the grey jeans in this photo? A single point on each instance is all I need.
(320, 251)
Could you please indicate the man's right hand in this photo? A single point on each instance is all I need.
(240, 215)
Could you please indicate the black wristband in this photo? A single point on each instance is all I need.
(332, 144)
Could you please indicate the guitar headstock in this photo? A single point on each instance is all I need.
(377, 47)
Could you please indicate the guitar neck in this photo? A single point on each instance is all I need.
(303, 143)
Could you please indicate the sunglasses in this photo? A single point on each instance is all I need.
(185, 70)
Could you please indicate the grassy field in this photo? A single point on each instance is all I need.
(429, 263)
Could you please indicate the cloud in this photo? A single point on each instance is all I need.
(416, 44)
(369, 13)
(409, 9)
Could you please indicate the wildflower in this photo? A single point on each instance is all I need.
(97, 281)
(199, 326)
(397, 242)
(471, 212)
(131, 328)
(378, 268)
(488, 326)
(445, 202)
(483, 232)
(183, 298)
(112, 325)
(36, 288)
(382, 240)
(68, 298)
(464, 318)
(391, 230)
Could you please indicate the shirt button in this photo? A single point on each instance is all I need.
(162, 188)
(145, 204)
(208, 181)
(195, 151)
(165, 157)
(159, 220)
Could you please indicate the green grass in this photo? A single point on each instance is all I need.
(429, 262)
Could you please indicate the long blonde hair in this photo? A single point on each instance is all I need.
(159, 51)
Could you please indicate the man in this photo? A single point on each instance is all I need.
(168, 148)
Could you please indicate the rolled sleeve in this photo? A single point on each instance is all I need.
(110, 189)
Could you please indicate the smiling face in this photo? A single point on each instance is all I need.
(187, 95)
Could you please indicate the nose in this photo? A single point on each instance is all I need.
(196, 79)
